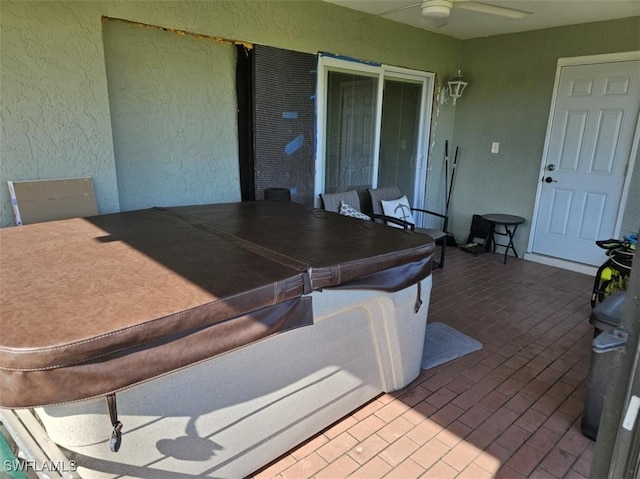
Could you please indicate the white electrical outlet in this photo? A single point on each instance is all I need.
(495, 147)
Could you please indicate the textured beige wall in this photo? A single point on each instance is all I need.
(55, 102)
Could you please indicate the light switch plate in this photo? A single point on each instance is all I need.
(495, 147)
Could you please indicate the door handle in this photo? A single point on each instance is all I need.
(548, 179)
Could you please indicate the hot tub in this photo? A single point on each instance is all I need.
(227, 334)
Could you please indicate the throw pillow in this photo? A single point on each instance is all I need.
(398, 209)
(347, 210)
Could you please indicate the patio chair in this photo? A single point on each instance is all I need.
(348, 203)
(399, 208)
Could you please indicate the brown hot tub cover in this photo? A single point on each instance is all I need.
(90, 306)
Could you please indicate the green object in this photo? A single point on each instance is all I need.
(10, 463)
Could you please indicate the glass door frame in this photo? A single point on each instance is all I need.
(328, 64)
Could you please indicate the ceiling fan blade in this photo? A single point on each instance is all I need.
(398, 9)
(488, 9)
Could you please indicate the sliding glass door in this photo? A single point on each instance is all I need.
(372, 127)
(400, 136)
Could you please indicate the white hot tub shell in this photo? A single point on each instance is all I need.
(229, 416)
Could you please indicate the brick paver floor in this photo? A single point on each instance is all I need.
(510, 410)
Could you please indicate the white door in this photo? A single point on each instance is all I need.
(588, 153)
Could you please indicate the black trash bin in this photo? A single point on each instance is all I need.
(605, 318)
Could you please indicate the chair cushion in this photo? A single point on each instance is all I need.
(400, 209)
(347, 210)
(385, 193)
(331, 201)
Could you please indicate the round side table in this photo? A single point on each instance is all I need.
(510, 224)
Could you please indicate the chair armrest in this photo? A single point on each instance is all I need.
(430, 213)
(391, 219)
(439, 215)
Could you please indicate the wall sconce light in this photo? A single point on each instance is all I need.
(453, 89)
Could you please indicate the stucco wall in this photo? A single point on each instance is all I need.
(511, 80)
(55, 111)
(170, 150)
(56, 107)
(55, 102)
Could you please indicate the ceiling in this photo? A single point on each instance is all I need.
(464, 24)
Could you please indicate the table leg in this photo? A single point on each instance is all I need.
(510, 224)
(493, 237)
(510, 233)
